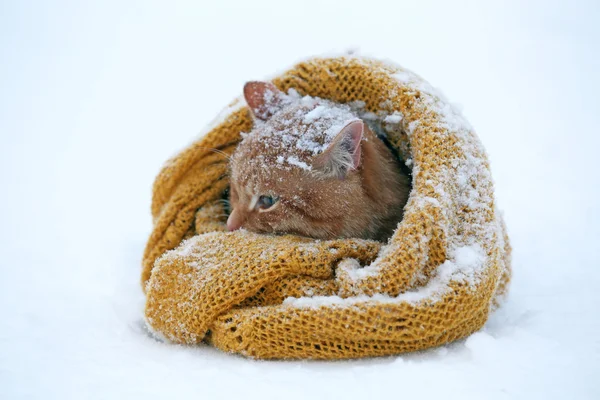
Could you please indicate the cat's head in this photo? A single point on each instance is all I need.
(296, 171)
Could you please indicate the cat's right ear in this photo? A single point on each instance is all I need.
(263, 98)
(344, 153)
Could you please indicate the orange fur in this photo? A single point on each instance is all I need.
(365, 200)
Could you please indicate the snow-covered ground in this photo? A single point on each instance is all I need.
(93, 98)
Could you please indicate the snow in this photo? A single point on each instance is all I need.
(464, 265)
(298, 129)
(310, 125)
(318, 112)
(96, 97)
(394, 118)
(293, 160)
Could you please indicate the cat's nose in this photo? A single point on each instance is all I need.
(234, 222)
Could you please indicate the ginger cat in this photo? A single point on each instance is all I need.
(313, 168)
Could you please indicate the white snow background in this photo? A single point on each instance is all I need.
(94, 97)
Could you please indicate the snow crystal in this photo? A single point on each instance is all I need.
(318, 112)
(394, 118)
(293, 160)
(370, 116)
(354, 270)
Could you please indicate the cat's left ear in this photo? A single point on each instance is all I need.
(263, 98)
(344, 153)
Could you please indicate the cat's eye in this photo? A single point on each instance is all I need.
(266, 202)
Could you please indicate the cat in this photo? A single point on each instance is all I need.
(311, 167)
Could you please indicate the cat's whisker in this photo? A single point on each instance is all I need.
(217, 151)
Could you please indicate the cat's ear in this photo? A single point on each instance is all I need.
(263, 98)
(343, 154)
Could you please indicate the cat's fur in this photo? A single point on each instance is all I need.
(327, 173)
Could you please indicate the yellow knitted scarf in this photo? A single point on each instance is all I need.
(289, 297)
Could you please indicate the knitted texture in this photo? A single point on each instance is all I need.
(271, 297)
